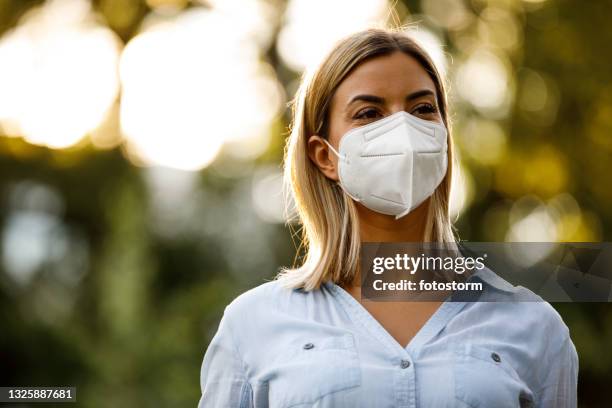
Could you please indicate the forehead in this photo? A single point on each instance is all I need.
(389, 76)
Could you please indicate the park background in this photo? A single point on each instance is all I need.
(140, 178)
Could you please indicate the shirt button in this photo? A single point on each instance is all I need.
(308, 346)
(496, 357)
(405, 364)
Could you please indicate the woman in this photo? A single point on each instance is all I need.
(307, 339)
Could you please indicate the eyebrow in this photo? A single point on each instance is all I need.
(379, 100)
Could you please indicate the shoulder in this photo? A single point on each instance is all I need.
(269, 302)
(538, 315)
(529, 329)
(502, 298)
(256, 299)
(522, 321)
(275, 294)
(261, 318)
(518, 307)
(538, 337)
(248, 314)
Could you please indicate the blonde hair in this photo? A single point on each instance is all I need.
(330, 231)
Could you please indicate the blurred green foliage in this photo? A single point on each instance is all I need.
(133, 328)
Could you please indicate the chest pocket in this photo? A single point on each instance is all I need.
(485, 378)
(313, 367)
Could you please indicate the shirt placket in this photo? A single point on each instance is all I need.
(404, 360)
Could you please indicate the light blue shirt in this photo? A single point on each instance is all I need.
(289, 348)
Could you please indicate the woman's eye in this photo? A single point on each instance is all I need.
(425, 109)
(368, 113)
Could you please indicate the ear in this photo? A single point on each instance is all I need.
(323, 157)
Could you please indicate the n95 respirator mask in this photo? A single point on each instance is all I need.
(394, 164)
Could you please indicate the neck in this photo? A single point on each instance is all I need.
(376, 227)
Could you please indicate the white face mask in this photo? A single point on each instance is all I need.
(394, 164)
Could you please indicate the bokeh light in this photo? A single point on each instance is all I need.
(313, 26)
(483, 140)
(499, 27)
(431, 43)
(541, 171)
(267, 195)
(538, 97)
(531, 221)
(58, 74)
(462, 191)
(483, 80)
(190, 83)
(450, 14)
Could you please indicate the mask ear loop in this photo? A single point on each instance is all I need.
(340, 156)
(344, 159)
